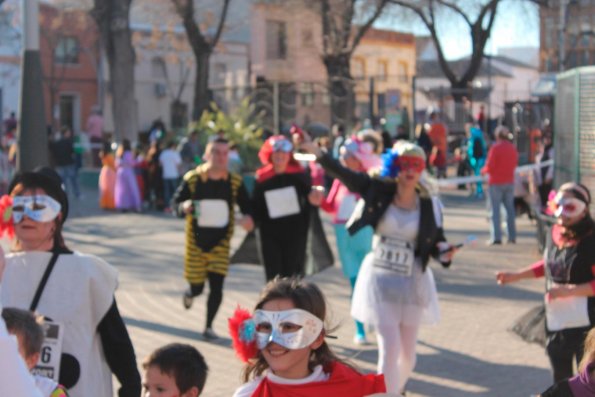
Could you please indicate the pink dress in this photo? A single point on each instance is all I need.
(127, 194)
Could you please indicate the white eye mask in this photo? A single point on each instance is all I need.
(39, 208)
(568, 206)
(281, 327)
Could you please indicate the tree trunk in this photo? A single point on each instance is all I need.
(112, 16)
(460, 90)
(341, 89)
(121, 69)
(202, 97)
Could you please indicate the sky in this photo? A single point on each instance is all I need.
(516, 25)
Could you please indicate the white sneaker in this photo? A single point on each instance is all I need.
(209, 334)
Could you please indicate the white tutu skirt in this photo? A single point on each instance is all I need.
(381, 296)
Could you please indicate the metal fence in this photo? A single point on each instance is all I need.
(308, 103)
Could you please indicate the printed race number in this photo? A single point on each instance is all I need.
(51, 351)
(395, 255)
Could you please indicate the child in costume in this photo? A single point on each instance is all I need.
(107, 179)
(29, 332)
(127, 194)
(174, 370)
(358, 156)
(283, 345)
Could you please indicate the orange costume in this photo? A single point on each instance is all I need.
(107, 182)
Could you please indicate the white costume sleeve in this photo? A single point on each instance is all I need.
(438, 207)
(15, 379)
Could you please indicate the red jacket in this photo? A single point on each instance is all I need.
(502, 160)
(344, 382)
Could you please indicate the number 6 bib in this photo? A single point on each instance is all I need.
(51, 351)
(395, 255)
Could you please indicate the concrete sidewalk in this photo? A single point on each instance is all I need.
(469, 353)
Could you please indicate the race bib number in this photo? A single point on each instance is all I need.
(282, 202)
(563, 313)
(394, 255)
(211, 213)
(346, 207)
(51, 351)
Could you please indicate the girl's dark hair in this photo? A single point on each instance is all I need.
(306, 296)
(586, 225)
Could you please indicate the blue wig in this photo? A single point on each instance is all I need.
(390, 166)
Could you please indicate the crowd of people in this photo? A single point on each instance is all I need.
(388, 224)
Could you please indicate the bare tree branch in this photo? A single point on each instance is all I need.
(479, 37)
(202, 47)
(456, 9)
(364, 28)
(479, 34)
(222, 19)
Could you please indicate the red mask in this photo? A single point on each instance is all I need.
(412, 163)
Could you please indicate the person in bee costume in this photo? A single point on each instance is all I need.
(206, 198)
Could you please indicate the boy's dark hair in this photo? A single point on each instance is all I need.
(183, 362)
(27, 325)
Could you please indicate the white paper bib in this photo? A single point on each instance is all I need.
(395, 255)
(282, 202)
(51, 351)
(211, 213)
(564, 313)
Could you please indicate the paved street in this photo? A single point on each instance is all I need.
(469, 353)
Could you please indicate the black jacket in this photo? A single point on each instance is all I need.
(378, 194)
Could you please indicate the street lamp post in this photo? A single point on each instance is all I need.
(32, 139)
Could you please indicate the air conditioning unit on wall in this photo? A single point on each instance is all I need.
(160, 90)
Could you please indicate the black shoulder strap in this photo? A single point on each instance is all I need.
(43, 281)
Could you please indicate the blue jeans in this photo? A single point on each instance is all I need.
(69, 176)
(502, 194)
(169, 187)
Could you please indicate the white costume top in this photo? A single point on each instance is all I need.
(15, 379)
(78, 294)
(379, 292)
(246, 390)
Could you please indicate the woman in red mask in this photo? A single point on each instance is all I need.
(395, 289)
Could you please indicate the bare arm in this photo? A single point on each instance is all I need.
(533, 271)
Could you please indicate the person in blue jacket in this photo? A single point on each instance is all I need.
(477, 151)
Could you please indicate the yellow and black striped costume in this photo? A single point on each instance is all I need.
(197, 262)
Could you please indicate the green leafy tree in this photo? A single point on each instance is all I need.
(242, 126)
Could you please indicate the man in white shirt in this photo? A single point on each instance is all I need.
(170, 161)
